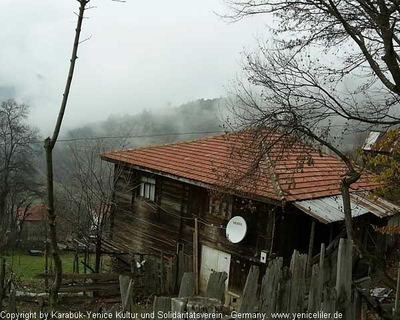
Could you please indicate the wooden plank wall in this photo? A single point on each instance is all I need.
(167, 224)
(136, 221)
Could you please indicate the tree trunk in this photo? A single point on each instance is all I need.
(347, 210)
(2, 280)
(98, 255)
(52, 224)
(49, 145)
(345, 190)
(3, 212)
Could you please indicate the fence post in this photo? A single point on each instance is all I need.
(297, 282)
(249, 299)
(397, 301)
(270, 287)
(2, 280)
(162, 273)
(162, 304)
(188, 285)
(311, 246)
(216, 286)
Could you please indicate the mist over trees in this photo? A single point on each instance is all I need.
(161, 126)
(22, 155)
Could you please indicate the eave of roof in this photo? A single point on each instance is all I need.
(330, 209)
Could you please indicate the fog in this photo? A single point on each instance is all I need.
(139, 55)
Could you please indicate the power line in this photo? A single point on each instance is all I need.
(135, 136)
(154, 135)
(141, 136)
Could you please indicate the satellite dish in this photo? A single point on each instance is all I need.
(236, 229)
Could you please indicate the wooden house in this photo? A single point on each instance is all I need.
(289, 199)
(32, 222)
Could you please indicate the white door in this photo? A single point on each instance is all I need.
(213, 261)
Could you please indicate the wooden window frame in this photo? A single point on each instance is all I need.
(147, 188)
(221, 206)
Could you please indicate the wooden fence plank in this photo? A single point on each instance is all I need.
(188, 285)
(313, 302)
(284, 300)
(298, 266)
(216, 286)
(344, 278)
(249, 298)
(270, 287)
(126, 288)
(317, 283)
(204, 305)
(161, 304)
(329, 301)
(178, 305)
(174, 274)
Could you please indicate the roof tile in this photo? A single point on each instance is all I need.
(228, 160)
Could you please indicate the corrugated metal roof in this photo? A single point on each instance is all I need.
(380, 142)
(228, 160)
(330, 209)
(374, 204)
(371, 140)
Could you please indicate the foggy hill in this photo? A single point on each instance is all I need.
(189, 121)
(184, 122)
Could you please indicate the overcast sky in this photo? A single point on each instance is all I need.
(141, 54)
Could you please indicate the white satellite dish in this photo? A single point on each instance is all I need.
(236, 229)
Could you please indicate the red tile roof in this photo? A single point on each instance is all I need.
(234, 161)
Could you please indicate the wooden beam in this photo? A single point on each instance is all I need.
(70, 276)
(397, 300)
(90, 287)
(311, 245)
(196, 254)
(344, 277)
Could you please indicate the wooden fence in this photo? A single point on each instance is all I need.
(300, 288)
(305, 289)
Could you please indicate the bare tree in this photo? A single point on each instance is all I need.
(17, 166)
(49, 145)
(356, 43)
(327, 60)
(87, 192)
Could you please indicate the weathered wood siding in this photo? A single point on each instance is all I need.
(143, 226)
(173, 202)
(260, 218)
(158, 225)
(167, 224)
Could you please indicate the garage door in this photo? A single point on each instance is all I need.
(213, 260)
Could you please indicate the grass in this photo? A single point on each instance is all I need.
(26, 266)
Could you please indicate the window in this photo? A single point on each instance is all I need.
(221, 206)
(148, 188)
